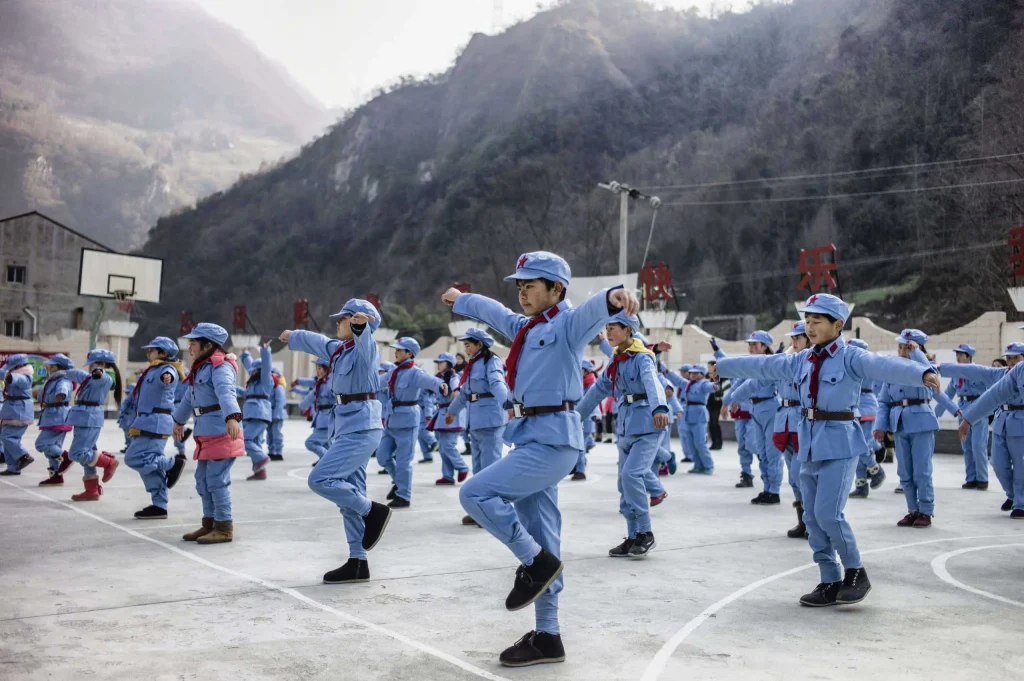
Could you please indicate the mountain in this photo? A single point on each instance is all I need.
(451, 177)
(113, 113)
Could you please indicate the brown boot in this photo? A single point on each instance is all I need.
(92, 490)
(206, 529)
(109, 465)
(223, 531)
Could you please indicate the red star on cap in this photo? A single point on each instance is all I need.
(812, 300)
(796, 325)
(1009, 347)
(522, 261)
(907, 334)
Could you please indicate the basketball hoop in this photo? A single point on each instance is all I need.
(125, 301)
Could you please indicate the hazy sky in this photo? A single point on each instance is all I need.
(342, 49)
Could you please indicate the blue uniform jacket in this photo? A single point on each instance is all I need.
(1004, 389)
(209, 387)
(92, 388)
(787, 419)
(727, 398)
(443, 405)
(549, 371)
(354, 365)
(17, 404)
(484, 377)
(675, 407)
(696, 394)
(636, 376)
(867, 407)
(915, 418)
(56, 391)
(410, 381)
(257, 389)
(126, 414)
(839, 382)
(155, 400)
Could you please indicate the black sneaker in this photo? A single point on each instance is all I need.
(642, 545)
(622, 550)
(537, 647)
(393, 492)
(382, 471)
(276, 457)
(970, 484)
(354, 570)
(24, 461)
(823, 595)
(745, 481)
(1017, 513)
(1007, 505)
(771, 499)
(376, 521)
(425, 461)
(981, 486)
(759, 499)
(176, 468)
(152, 513)
(855, 587)
(533, 580)
(399, 502)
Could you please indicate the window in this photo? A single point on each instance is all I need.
(15, 274)
(13, 328)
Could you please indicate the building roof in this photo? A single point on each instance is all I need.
(62, 226)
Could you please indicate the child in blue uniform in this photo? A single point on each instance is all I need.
(870, 474)
(340, 476)
(1002, 396)
(975, 447)
(829, 376)
(590, 421)
(906, 411)
(54, 404)
(257, 412)
(516, 498)
(448, 433)
(665, 462)
(402, 419)
(632, 379)
(278, 415)
(211, 399)
(87, 418)
(320, 403)
(16, 412)
(694, 424)
(151, 425)
(125, 415)
(787, 426)
(425, 437)
(179, 393)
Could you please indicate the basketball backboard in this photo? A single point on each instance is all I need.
(114, 275)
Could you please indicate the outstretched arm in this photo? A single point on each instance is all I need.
(940, 407)
(973, 372)
(1004, 390)
(770, 367)
(310, 343)
(490, 312)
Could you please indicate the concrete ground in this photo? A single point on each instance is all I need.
(90, 592)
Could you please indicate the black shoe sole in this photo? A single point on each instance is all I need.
(151, 517)
(558, 573)
(382, 529)
(618, 555)
(839, 602)
(645, 553)
(817, 605)
(542, 660)
(347, 581)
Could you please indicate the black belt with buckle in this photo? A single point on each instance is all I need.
(969, 398)
(398, 403)
(867, 391)
(199, 411)
(759, 400)
(1013, 407)
(790, 403)
(630, 399)
(158, 410)
(355, 397)
(324, 407)
(519, 411)
(88, 404)
(156, 436)
(54, 405)
(14, 398)
(473, 397)
(696, 404)
(816, 415)
(912, 402)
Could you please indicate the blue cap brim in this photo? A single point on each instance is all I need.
(818, 309)
(527, 273)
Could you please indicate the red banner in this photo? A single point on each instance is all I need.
(657, 281)
(186, 323)
(300, 313)
(373, 299)
(238, 320)
(1016, 244)
(816, 271)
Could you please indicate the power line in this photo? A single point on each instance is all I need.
(829, 197)
(844, 173)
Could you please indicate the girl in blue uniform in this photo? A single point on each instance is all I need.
(87, 418)
(975, 447)
(16, 412)
(125, 415)
(257, 413)
(278, 414)
(448, 433)
(694, 398)
(54, 404)
(320, 401)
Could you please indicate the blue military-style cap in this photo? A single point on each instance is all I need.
(355, 305)
(587, 365)
(631, 321)
(256, 365)
(826, 303)
(17, 360)
(386, 367)
(60, 360)
(761, 337)
(445, 357)
(321, 362)
(98, 355)
(858, 343)
(406, 343)
(211, 332)
(799, 329)
(541, 265)
(478, 335)
(916, 335)
(966, 349)
(1014, 349)
(163, 343)
(687, 368)
(698, 369)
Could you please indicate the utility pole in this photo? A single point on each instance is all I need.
(626, 193)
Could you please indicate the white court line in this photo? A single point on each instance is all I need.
(661, 658)
(422, 647)
(939, 568)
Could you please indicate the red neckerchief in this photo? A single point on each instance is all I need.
(959, 383)
(691, 382)
(407, 364)
(469, 367)
(816, 357)
(511, 364)
(216, 359)
(589, 380)
(613, 368)
(342, 347)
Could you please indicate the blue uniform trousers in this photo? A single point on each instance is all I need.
(976, 453)
(253, 431)
(743, 435)
(516, 500)
(769, 458)
(146, 456)
(426, 440)
(448, 448)
(486, 446)
(793, 466)
(213, 483)
(636, 455)
(914, 466)
(83, 447)
(11, 437)
(867, 459)
(825, 487)
(51, 444)
(317, 442)
(340, 477)
(395, 454)
(1008, 465)
(275, 437)
(695, 439)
